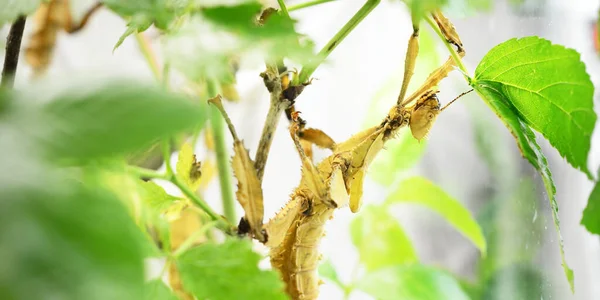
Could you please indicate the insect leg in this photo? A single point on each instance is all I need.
(411, 58)
(310, 135)
(70, 27)
(311, 177)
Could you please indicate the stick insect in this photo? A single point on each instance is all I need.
(293, 235)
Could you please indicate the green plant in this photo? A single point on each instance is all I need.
(78, 218)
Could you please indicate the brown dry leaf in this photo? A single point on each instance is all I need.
(249, 192)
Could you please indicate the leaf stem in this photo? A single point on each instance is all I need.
(149, 55)
(307, 4)
(453, 53)
(13, 48)
(218, 134)
(194, 197)
(283, 8)
(309, 69)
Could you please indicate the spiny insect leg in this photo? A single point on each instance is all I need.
(440, 73)
(310, 136)
(411, 58)
(310, 174)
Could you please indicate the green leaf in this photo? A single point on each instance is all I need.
(157, 290)
(380, 240)
(231, 33)
(591, 213)
(156, 197)
(10, 10)
(421, 191)
(411, 282)
(159, 12)
(110, 121)
(187, 168)
(327, 271)
(549, 89)
(61, 240)
(228, 271)
(398, 156)
(530, 149)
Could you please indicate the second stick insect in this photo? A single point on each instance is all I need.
(294, 233)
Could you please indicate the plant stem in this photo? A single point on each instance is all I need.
(308, 70)
(218, 133)
(194, 197)
(453, 53)
(13, 48)
(307, 4)
(149, 55)
(283, 8)
(276, 107)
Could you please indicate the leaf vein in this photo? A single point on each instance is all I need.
(505, 55)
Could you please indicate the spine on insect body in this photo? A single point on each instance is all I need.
(297, 256)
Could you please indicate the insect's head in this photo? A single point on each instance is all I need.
(426, 111)
(424, 114)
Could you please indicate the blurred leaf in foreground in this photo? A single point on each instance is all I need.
(157, 290)
(380, 240)
(107, 120)
(10, 10)
(67, 242)
(591, 214)
(228, 271)
(411, 282)
(421, 191)
(232, 32)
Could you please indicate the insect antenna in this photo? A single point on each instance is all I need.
(445, 106)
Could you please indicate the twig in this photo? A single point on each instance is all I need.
(223, 167)
(277, 106)
(307, 4)
(13, 48)
(307, 70)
